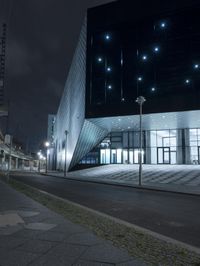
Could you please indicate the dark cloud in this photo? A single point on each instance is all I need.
(20, 60)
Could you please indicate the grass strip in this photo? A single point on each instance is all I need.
(140, 245)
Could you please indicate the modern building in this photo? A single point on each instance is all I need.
(128, 49)
(13, 157)
(2, 62)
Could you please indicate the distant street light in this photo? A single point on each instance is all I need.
(39, 156)
(65, 166)
(140, 100)
(47, 144)
(8, 141)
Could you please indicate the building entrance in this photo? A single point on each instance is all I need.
(166, 156)
(163, 155)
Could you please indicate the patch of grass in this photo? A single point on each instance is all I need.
(138, 244)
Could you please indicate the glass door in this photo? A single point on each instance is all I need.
(105, 156)
(163, 155)
(113, 156)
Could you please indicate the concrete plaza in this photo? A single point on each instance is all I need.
(177, 178)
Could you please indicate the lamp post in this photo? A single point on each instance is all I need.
(140, 100)
(8, 141)
(65, 166)
(46, 145)
(39, 156)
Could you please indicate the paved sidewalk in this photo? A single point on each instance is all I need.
(176, 178)
(31, 234)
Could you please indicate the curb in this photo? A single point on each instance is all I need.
(113, 183)
(158, 236)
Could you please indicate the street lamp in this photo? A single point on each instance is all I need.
(39, 156)
(140, 100)
(8, 141)
(47, 144)
(65, 166)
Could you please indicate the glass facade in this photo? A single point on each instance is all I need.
(157, 57)
(172, 146)
(194, 142)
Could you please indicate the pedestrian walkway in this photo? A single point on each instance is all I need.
(31, 234)
(180, 178)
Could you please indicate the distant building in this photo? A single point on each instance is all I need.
(2, 62)
(50, 137)
(3, 107)
(51, 128)
(127, 49)
(11, 152)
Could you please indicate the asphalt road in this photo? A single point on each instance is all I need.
(170, 214)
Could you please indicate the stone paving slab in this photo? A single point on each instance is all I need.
(91, 263)
(15, 258)
(52, 236)
(54, 260)
(10, 242)
(106, 253)
(39, 226)
(36, 246)
(23, 214)
(47, 239)
(130, 263)
(27, 234)
(9, 230)
(62, 254)
(10, 219)
(85, 238)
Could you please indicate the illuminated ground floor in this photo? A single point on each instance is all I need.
(168, 146)
(171, 138)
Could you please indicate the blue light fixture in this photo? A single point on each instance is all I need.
(144, 57)
(100, 59)
(107, 37)
(109, 87)
(196, 66)
(156, 49)
(187, 81)
(139, 78)
(153, 89)
(163, 25)
(108, 69)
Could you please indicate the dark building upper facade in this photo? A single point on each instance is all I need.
(150, 49)
(127, 49)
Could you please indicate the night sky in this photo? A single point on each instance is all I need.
(41, 38)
